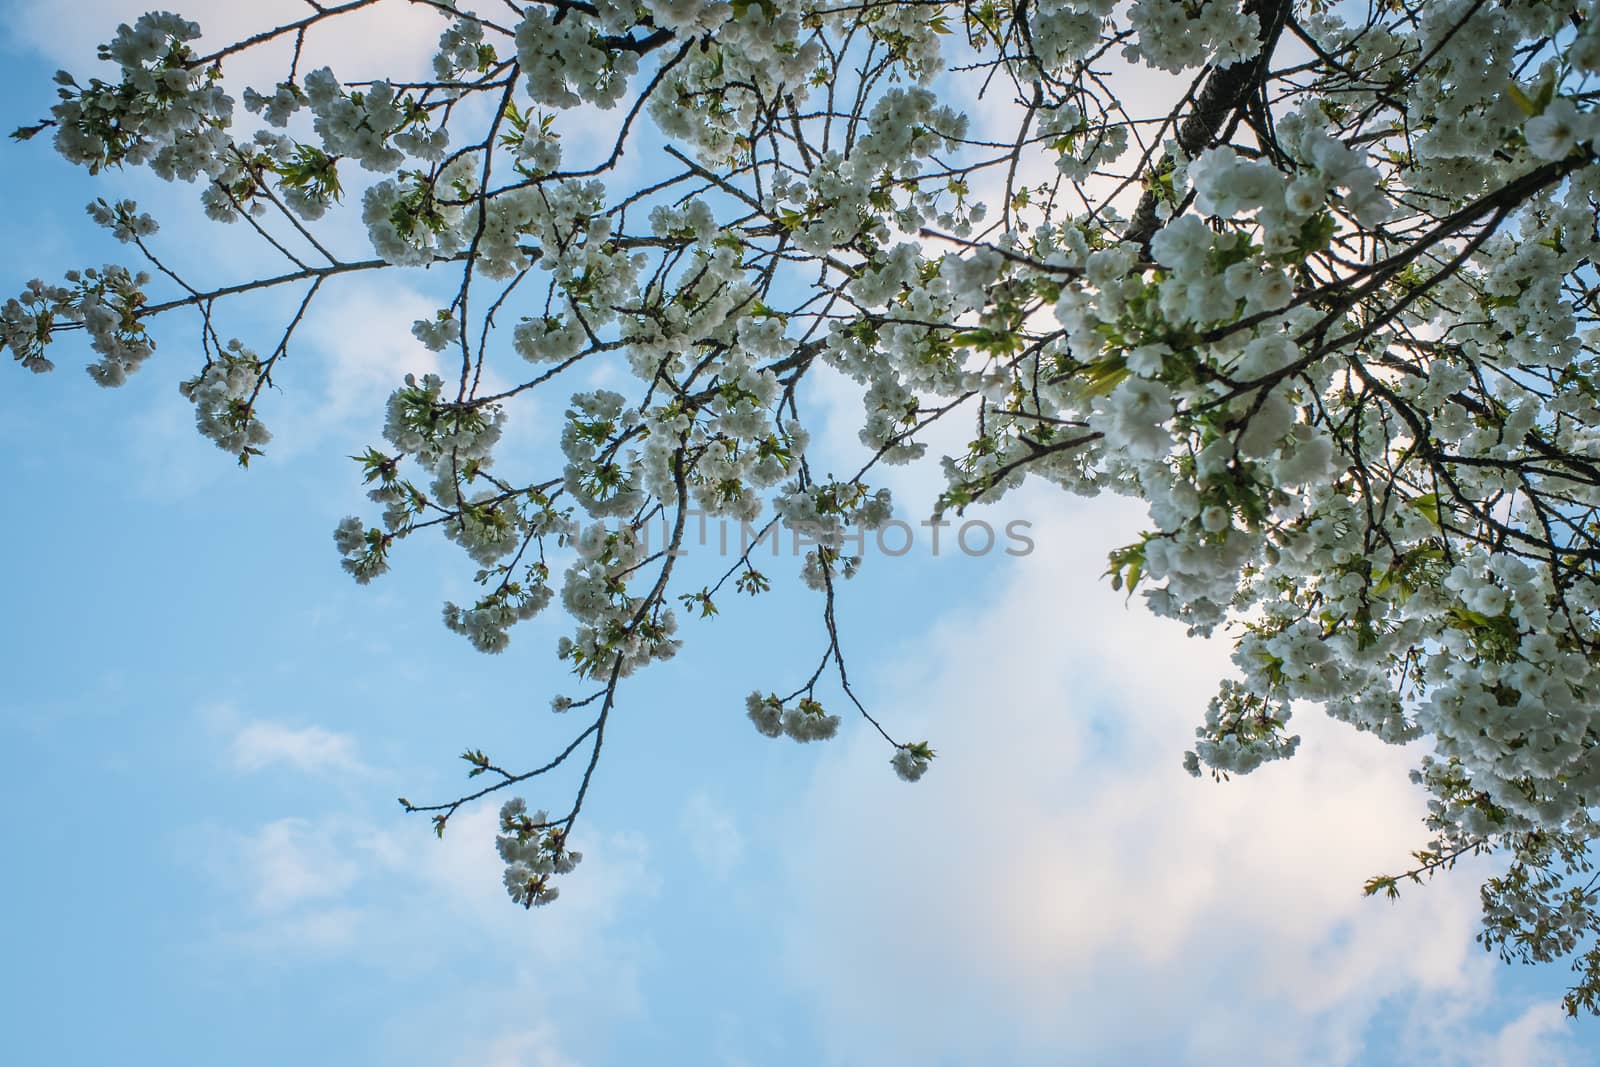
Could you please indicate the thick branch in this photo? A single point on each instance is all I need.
(1226, 90)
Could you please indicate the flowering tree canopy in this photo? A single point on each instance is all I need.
(1314, 281)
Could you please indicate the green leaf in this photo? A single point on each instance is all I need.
(1428, 504)
(1515, 94)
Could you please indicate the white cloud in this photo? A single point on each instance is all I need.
(293, 862)
(713, 833)
(1537, 1036)
(536, 1047)
(390, 869)
(260, 744)
(312, 932)
(1056, 855)
(363, 337)
(390, 895)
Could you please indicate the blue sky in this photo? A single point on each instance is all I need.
(205, 725)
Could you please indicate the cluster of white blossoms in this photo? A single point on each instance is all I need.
(26, 322)
(535, 851)
(164, 112)
(124, 219)
(224, 396)
(1178, 35)
(438, 333)
(364, 551)
(361, 126)
(104, 302)
(408, 224)
(804, 720)
(911, 762)
(1064, 34)
(1330, 316)
(488, 623)
(749, 56)
(617, 631)
(462, 50)
(566, 61)
(690, 18)
(287, 98)
(1241, 732)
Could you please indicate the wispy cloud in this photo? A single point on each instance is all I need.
(379, 893)
(713, 834)
(535, 1047)
(291, 862)
(1056, 869)
(262, 744)
(1539, 1035)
